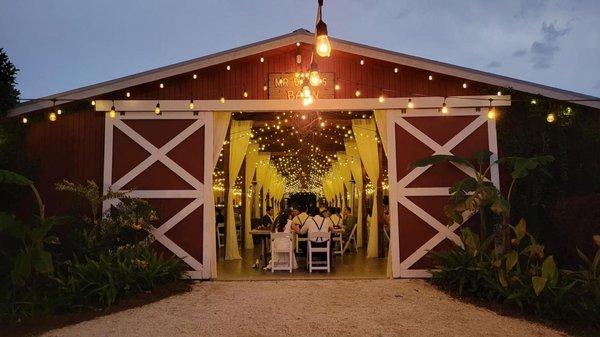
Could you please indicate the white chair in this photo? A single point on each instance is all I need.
(280, 247)
(220, 234)
(319, 265)
(298, 240)
(339, 238)
(351, 238)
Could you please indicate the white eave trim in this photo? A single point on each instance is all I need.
(304, 36)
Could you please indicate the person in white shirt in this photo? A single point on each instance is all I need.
(316, 223)
(298, 222)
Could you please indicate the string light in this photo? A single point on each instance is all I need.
(262, 59)
(362, 62)
(194, 76)
(430, 77)
(52, 116)
(228, 67)
(381, 98)
(222, 98)
(59, 112)
(357, 92)
(491, 111)
(157, 110)
(245, 93)
(464, 85)
(265, 87)
(192, 104)
(336, 87)
(315, 79)
(24, 120)
(128, 94)
(306, 91)
(499, 93)
(551, 118)
(113, 112)
(533, 102)
(410, 104)
(444, 107)
(93, 103)
(396, 70)
(161, 85)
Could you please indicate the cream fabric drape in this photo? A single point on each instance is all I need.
(220, 126)
(346, 175)
(251, 159)
(365, 133)
(262, 168)
(353, 157)
(239, 139)
(381, 120)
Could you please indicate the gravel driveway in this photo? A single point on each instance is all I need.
(308, 308)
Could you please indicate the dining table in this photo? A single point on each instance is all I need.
(263, 235)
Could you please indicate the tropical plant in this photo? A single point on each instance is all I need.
(127, 222)
(477, 193)
(115, 274)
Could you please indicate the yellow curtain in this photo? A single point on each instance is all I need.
(345, 174)
(262, 168)
(239, 139)
(220, 126)
(365, 133)
(353, 158)
(381, 120)
(251, 158)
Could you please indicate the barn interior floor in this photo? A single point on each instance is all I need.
(351, 266)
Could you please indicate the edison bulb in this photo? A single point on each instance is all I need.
(306, 91)
(381, 99)
(222, 99)
(551, 118)
(112, 113)
(491, 113)
(93, 102)
(191, 104)
(444, 108)
(410, 104)
(357, 93)
(24, 120)
(323, 46)
(315, 79)
(337, 87)
(307, 100)
(52, 116)
(157, 109)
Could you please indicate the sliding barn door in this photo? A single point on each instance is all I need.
(418, 196)
(167, 160)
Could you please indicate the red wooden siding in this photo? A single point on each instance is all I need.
(72, 147)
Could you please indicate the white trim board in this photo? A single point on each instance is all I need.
(131, 107)
(304, 36)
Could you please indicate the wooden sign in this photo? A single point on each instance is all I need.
(289, 86)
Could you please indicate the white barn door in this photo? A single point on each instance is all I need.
(167, 160)
(418, 196)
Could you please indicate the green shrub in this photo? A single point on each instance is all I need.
(101, 282)
(522, 278)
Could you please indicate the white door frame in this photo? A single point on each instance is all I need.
(170, 108)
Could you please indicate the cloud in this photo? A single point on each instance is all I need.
(597, 86)
(542, 52)
(494, 64)
(531, 8)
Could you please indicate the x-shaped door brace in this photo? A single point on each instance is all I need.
(443, 231)
(160, 154)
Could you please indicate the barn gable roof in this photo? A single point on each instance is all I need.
(305, 36)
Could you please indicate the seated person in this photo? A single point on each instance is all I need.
(298, 221)
(267, 219)
(283, 224)
(334, 217)
(349, 222)
(316, 223)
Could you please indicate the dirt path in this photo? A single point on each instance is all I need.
(308, 308)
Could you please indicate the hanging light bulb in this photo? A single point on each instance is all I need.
(464, 85)
(191, 104)
(194, 76)
(499, 93)
(222, 98)
(533, 101)
(430, 77)
(444, 107)
(306, 91)
(113, 112)
(491, 111)
(307, 100)
(381, 98)
(551, 118)
(314, 77)
(93, 103)
(157, 109)
(128, 94)
(59, 112)
(396, 70)
(245, 94)
(323, 44)
(265, 87)
(24, 120)
(357, 92)
(410, 104)
(262, 59)
(52, 116)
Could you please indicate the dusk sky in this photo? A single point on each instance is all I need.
(65, 44)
